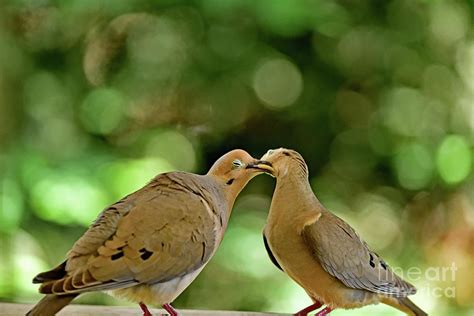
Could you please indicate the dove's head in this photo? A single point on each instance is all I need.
(233, 170)
(281, 162)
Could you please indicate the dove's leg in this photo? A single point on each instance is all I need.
(145, 310)
(308, 309)
(324, 312)
(170, 310)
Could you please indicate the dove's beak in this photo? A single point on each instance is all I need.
(261, 165)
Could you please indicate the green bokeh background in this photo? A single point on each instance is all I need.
(97, 97)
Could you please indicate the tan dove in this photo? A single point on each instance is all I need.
(319, 250)
(149, 246)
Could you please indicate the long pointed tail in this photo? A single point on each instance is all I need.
(405, 301)
(50, 304)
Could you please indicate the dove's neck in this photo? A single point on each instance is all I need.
(293, 198)
(227, 192)
(232, 191)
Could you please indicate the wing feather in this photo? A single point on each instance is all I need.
(346, 257)
(165, 230)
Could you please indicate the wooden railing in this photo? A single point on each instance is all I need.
(9, 309)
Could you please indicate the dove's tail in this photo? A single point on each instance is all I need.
(405, 305)
(50, 304)
(405, 301)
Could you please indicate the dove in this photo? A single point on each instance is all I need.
(320, 251)
(149, 246)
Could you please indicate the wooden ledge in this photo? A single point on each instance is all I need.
(10, 309)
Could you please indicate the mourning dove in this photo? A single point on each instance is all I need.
(149, 246)
(319, 250)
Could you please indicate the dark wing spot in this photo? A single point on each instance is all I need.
(203, 251)
(371, 262)
(230, 181)
(286, 153)
(383, 264)
(117, 255)
(145, 254)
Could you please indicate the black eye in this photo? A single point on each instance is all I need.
(230, 181)
(286, 153)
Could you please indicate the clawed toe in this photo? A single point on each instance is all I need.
(324, 312)
(310, 308)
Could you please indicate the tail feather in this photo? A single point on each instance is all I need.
(57, 273)
(50, 304)
(404, 304)
(405, 301)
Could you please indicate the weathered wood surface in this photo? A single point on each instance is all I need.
(9, 309)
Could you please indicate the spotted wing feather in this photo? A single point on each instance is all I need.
(342, 254)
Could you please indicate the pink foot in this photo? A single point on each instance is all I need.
(170, 310)
(308, 309)
(324, 312)
(145, 310)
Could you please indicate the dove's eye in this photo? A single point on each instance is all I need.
(236, 164)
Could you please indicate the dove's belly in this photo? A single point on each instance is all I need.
(159, 293)
(295, 258)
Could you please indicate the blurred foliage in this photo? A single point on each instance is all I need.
(96, 97)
